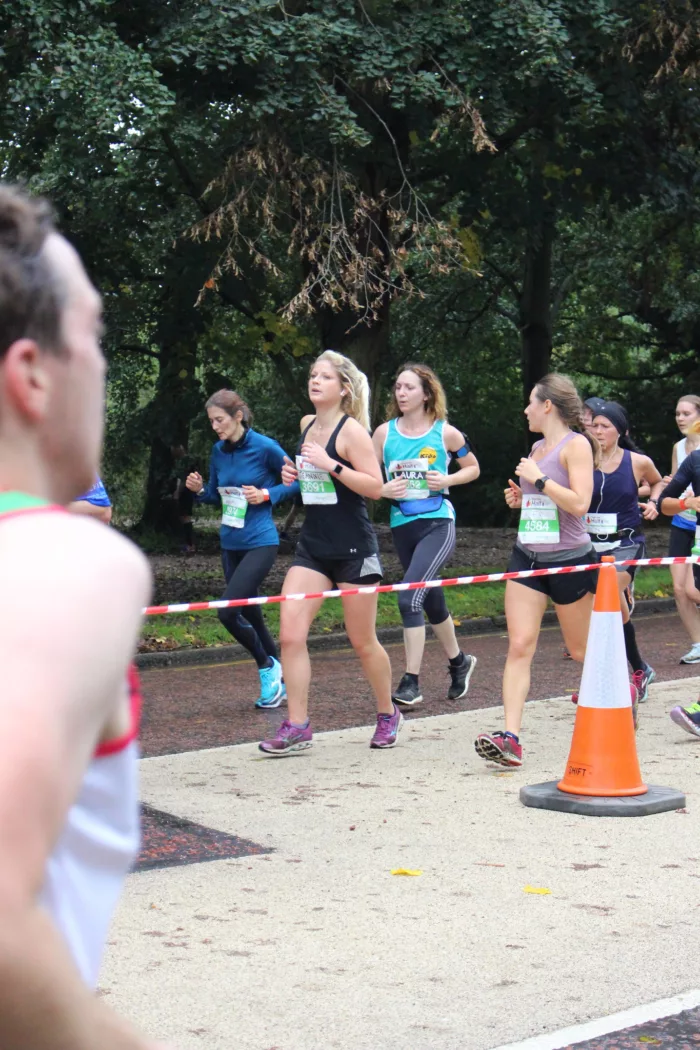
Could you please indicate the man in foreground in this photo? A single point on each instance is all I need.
(72, 595)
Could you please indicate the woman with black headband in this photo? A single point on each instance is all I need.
(614, 520)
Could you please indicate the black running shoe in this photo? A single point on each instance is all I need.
(460, 677)
(408, 692)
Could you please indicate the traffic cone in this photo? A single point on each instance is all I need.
(603, 757)
(602, 777)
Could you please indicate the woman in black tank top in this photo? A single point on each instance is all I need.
(337, 471)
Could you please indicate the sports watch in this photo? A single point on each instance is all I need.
(337, 468)
(541, 482)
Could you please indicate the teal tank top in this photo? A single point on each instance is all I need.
(411, 457)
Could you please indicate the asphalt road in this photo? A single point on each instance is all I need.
(190, 708)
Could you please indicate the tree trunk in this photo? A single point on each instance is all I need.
(535, 306)
(365, 344)
(177, 399)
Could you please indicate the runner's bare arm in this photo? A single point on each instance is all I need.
(365, 475)
(577, 457)
(92, 510)
(469, 469)
(394, 488)
(72, 595)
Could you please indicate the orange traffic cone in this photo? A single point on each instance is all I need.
(603, 757)
(602, 777)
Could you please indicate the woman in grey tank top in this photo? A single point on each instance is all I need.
(556, 484)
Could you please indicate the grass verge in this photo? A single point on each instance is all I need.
(197, 630)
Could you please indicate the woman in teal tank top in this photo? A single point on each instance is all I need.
(415, 448)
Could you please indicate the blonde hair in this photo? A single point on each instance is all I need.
(355, 398)
(690, 399)
(561, 391)
(694, 428)
(436, 402)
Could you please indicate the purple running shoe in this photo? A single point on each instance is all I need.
(287, 739)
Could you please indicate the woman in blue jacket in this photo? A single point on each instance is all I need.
(244, 480)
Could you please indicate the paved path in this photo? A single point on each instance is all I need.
(194, 707)
(295, 935)
(299, 936)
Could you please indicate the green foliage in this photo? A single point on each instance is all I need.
(490, 187)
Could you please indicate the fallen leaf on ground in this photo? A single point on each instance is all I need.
(536, 889)
(406, 871)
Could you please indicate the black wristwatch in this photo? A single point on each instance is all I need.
(541, 482)
(337, 469)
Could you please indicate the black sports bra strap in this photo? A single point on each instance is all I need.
(334, 435)
(307, 429)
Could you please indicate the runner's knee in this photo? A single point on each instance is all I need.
(411, 609)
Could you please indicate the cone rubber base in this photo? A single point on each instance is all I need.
(655, 800)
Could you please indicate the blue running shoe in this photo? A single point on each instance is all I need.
(271, 688)
(642, 680)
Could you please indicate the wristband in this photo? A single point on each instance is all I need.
(266, 495)
(682, 504)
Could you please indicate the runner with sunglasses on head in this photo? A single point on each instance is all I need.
(614, 519)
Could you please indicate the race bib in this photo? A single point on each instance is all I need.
(234, 505)
(600, 524)
(539, 520)
(414, 471)
(316, 485)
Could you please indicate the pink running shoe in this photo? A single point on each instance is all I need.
(287, 739)
(502, 748)
(387, 730)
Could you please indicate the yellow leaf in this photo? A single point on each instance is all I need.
(457, 623)
(536, 889)
(658, 594)
(649, 1039)
(409, 871)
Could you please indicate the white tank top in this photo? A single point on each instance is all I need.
(97, 847)
(687, 518)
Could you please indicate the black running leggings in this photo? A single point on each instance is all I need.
(423, 547)
(245, 571)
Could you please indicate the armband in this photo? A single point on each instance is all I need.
(461, 452)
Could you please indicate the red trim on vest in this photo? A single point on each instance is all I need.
(111, 747)
(50, 508)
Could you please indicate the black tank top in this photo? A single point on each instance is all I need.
(342, 530)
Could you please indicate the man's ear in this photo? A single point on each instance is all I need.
(26, 379)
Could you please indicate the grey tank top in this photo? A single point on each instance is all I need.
(572, 532)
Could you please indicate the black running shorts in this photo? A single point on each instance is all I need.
(364, 570)
(563, 590)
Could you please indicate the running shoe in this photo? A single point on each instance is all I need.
(501, 748)
(272, 690)
(634, 697)
(642, 680)
(288, 738)
(629, 596)
(687, 718)
(408, 692)
(460, 677)
(387, 730)
(693, 655)
(634, 691)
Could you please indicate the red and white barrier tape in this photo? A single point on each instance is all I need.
(386, 588)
